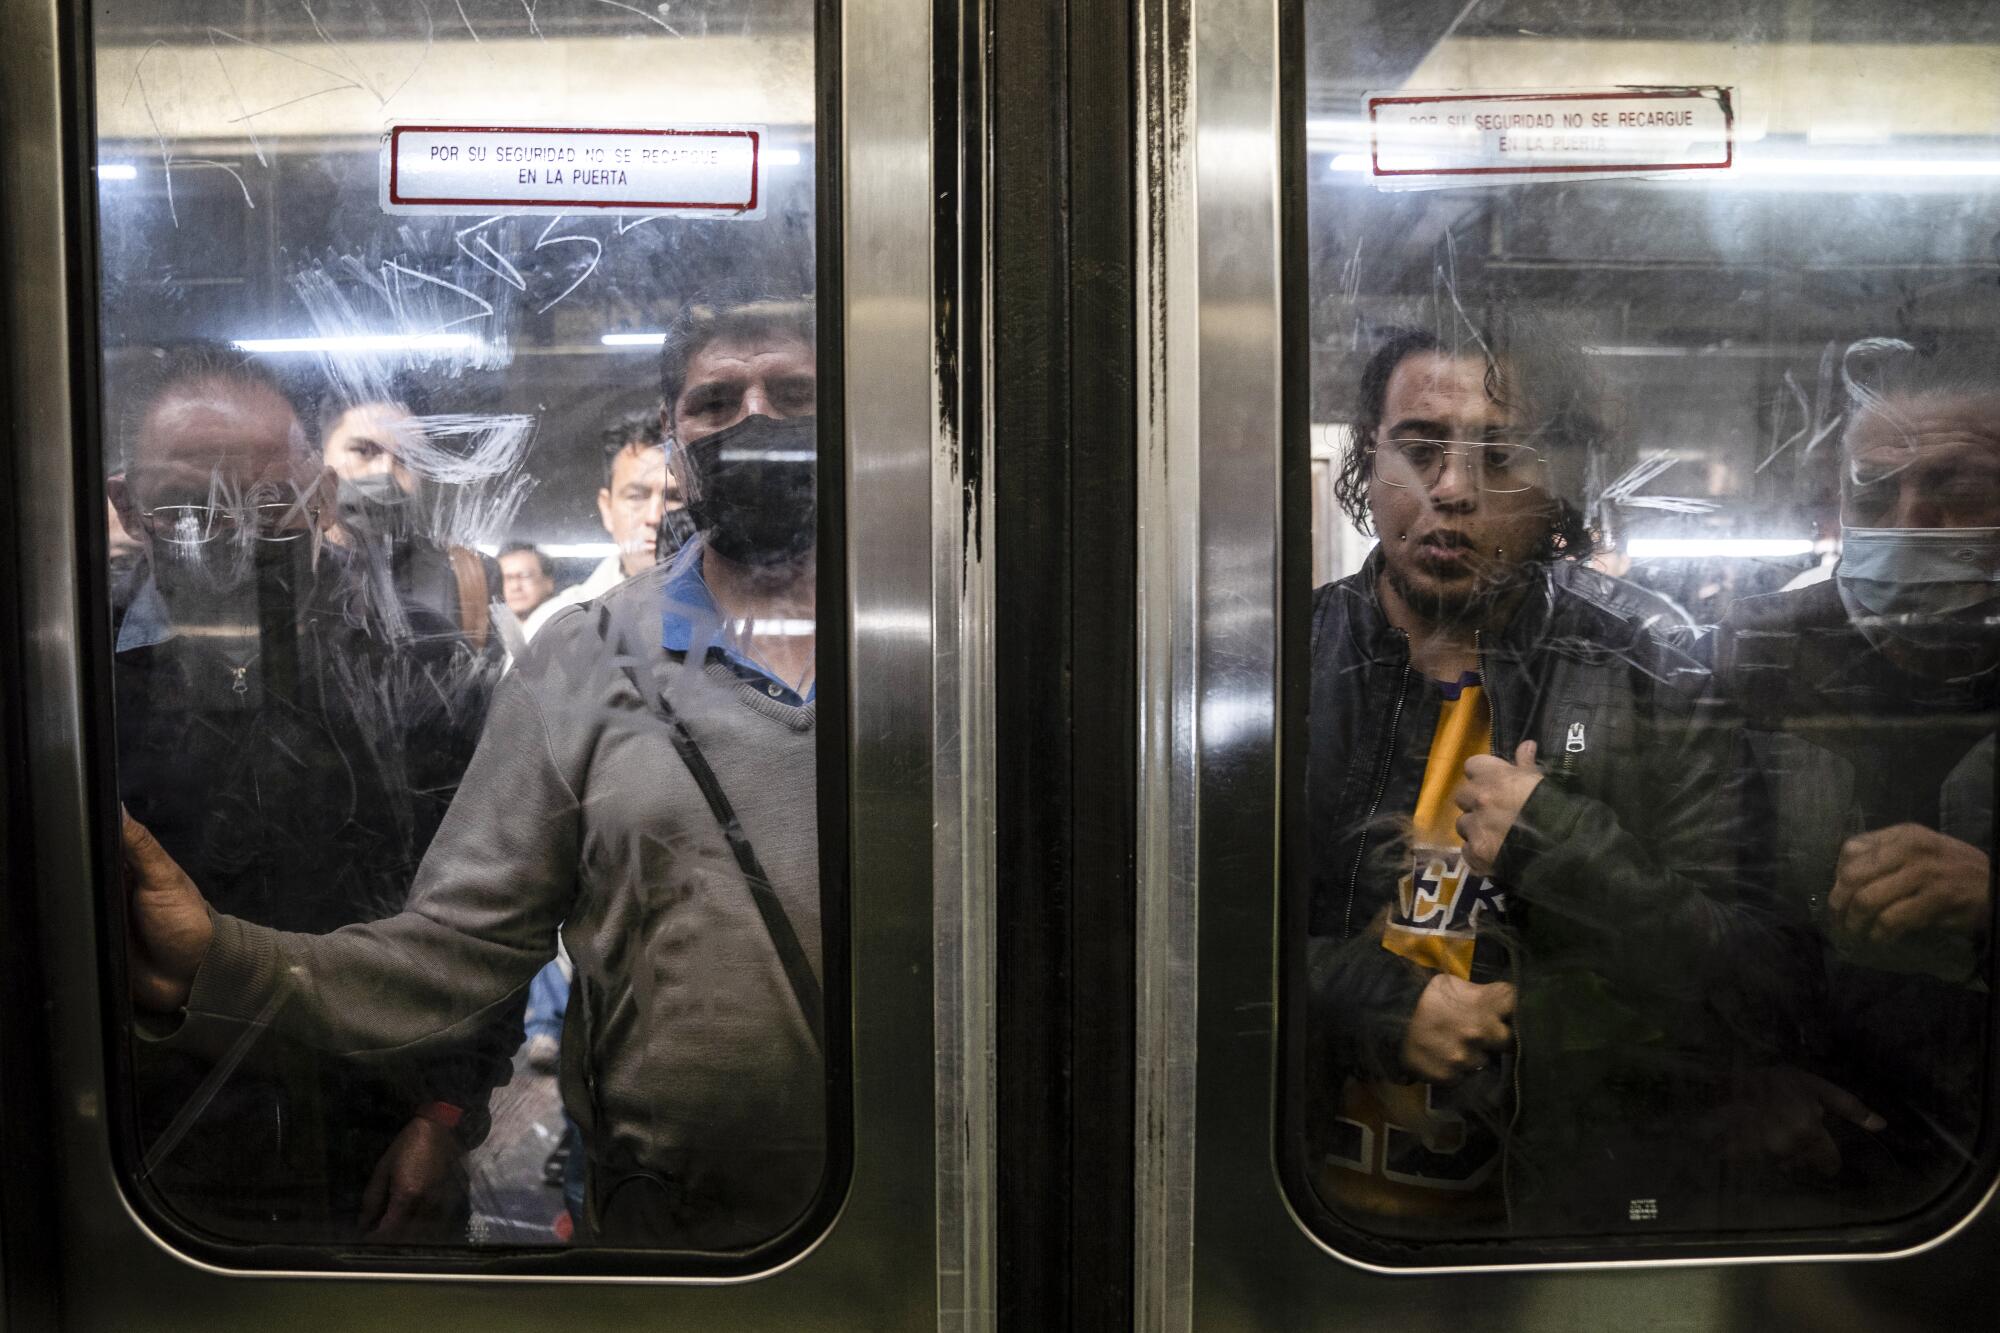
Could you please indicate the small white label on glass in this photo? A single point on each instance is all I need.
(697, 171)
(1466, 137)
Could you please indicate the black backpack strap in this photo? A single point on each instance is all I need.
(777, 922)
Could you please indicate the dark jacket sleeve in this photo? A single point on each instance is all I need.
(430, 982)
(483, 1061)
(1362, 997)
(1664, 890)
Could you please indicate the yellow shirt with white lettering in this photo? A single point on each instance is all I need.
(1406, 1149)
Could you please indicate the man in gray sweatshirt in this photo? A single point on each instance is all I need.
(645, 786)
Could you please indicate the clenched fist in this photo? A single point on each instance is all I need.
(1907, 878)
(171, 929)
(1492, 795)
(1456, 1027)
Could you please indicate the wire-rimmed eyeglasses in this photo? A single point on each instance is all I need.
(1498, 467)
(195, 524)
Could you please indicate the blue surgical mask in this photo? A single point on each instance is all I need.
(1914, 583)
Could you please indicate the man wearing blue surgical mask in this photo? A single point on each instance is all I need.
(1875, 699)
(1919, 570)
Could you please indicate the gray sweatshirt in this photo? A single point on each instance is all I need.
(687, 1060)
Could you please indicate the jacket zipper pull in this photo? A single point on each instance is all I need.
(1575, 742)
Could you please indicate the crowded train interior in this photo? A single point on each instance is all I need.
(1184, 664)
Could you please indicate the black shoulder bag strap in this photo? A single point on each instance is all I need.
(777, 922)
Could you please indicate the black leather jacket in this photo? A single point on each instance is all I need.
(1848, 743)
(1646, 954)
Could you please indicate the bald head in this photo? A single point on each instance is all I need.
(217, 441)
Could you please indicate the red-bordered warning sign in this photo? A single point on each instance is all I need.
(1418, 138)
(704, 171)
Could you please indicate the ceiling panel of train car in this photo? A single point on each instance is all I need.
(1860, 206)
(238, 150)
(377, 20)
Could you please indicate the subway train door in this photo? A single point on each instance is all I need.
(351, 346)
(1170, 432)
(1642, 350)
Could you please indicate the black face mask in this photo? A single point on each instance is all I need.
(752, 489)
(224, 590)
(377, 506)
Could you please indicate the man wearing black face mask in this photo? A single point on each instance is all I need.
(386, 517)
(298, 757)
(743, 448)
(1875, 698)
(645, 787)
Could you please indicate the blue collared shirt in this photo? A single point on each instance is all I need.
(147, 620)
(691, 617)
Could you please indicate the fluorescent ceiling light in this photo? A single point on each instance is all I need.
(1320, 132)
(1753, 171)
(117, 171)
(1737, 353)
(633, 339)
(784, 157)
(765, 456)
(1716, 548)
(1833, 174)
(361, 342)
(1878, 168)
(562, 550)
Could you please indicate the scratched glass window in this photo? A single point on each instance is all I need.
(1655, 384)
(459, 389)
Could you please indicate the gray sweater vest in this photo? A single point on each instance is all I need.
(687, 1059)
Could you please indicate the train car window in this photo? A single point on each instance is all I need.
(1645, 898)
(461, 451)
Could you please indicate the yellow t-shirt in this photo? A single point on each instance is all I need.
(1404, 1150)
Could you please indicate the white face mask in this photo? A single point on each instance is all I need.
(1918, 583)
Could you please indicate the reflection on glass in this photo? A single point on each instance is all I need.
(474, 899)
(1530, 929)
(1650, 784)
(1873, 698)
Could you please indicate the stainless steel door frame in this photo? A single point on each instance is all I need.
(1218, 1246)
(915, 806)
